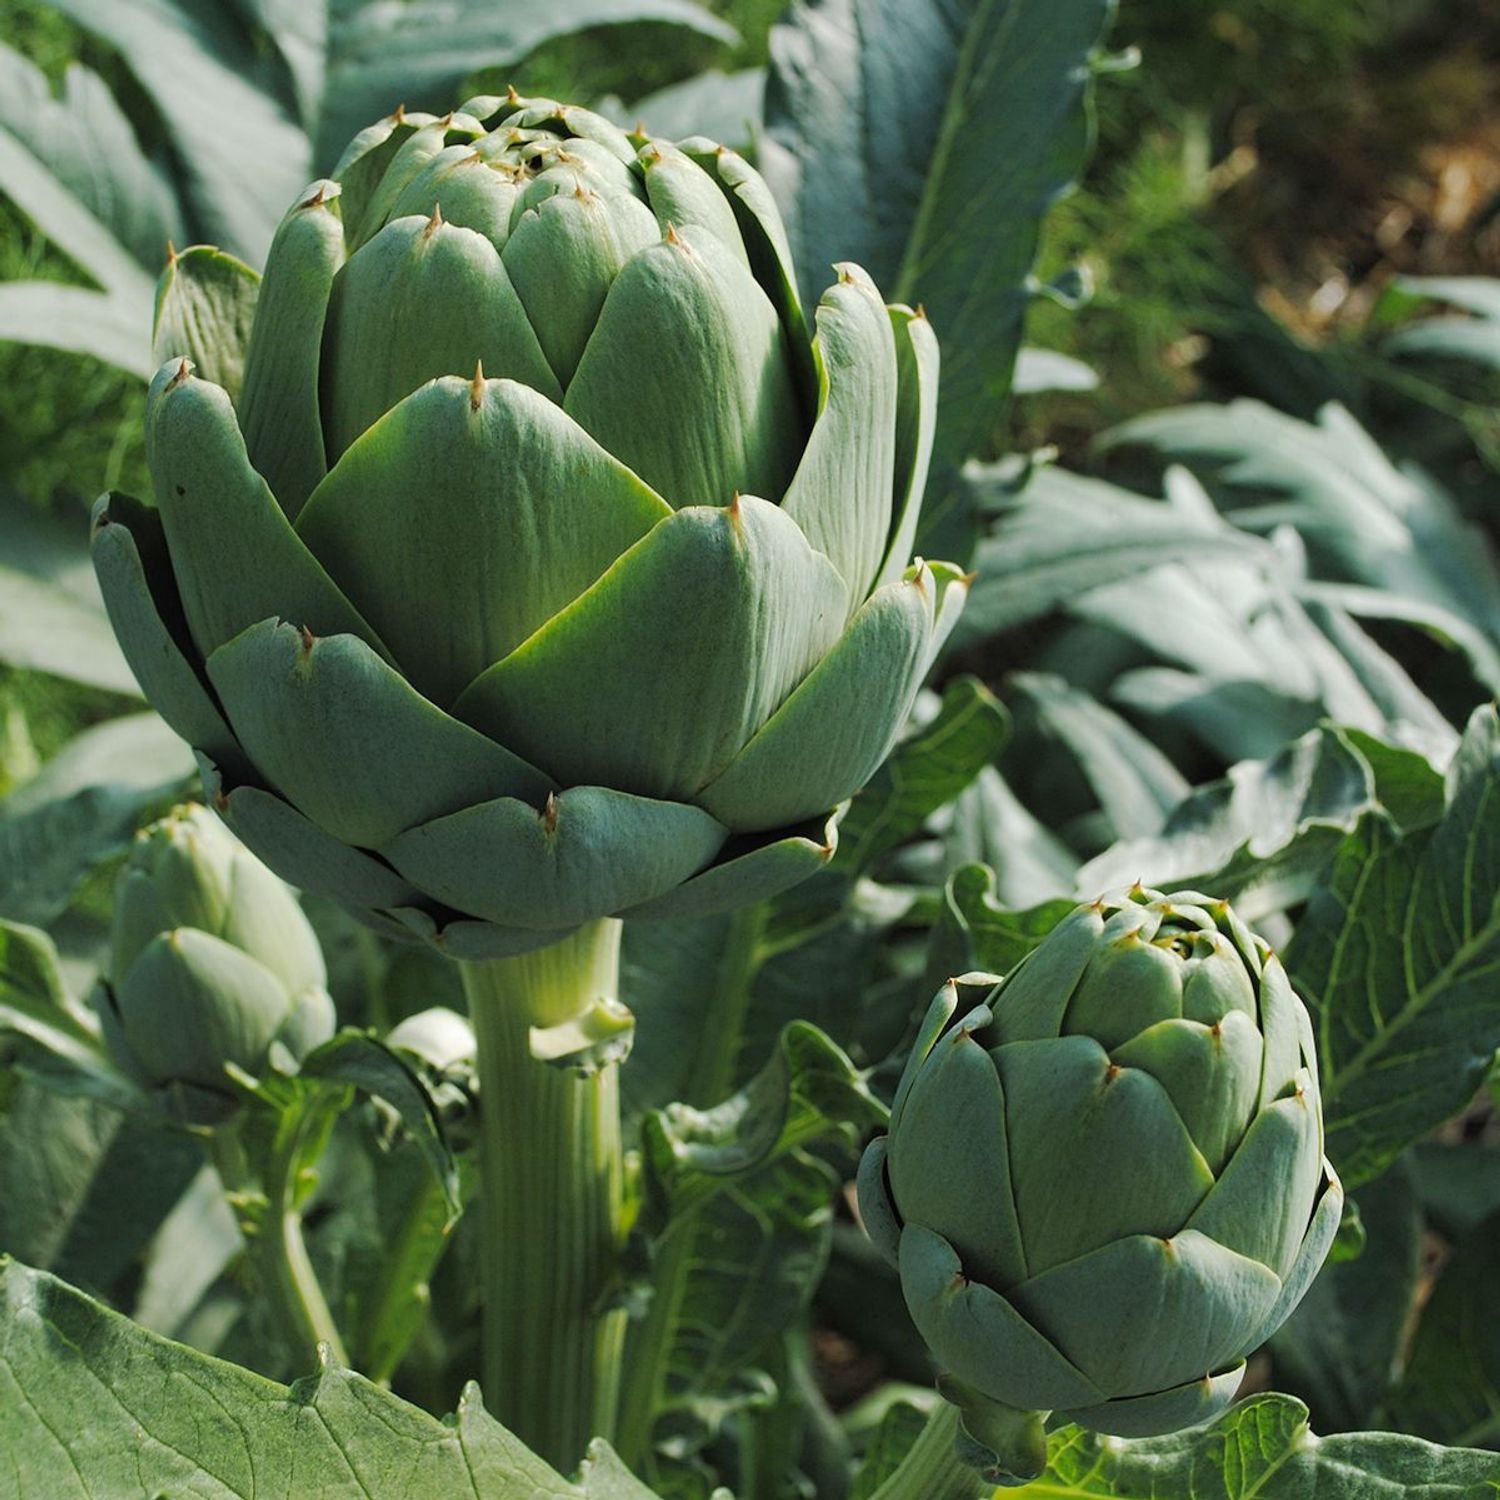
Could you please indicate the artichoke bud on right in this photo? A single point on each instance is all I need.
(1104, 1182)
(211, 962)
(550, 562)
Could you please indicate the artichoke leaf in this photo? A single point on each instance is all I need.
(278, 407)
(958, 1094)
(585, 124)
(589, 852)
(917, 365)
(877, 1214)
(1314, 1249)
(482, 491)
(286, 840)
(682, 194)
(1078, 1127)
(748, 869)
(841, 495)
(386, 759)
(421, 299)
(205, 304)
(135, 577)
(461, 938)
(686, 377)
(765, 241)
(1147, 1312)
(985, 1341)
(234, 554)
(468, 188)
(563, 256)
(1161, 1412)
(1034, 998)
(414, 149)
(1263, 1201)
(706, 625)
(834, 731)
(1211, 1073)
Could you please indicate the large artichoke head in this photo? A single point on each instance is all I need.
(1104, 1184)
(211, 962)
(545, 564)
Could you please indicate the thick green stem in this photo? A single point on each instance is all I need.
(277, 1252)
(551, 1189)
(651, 1338)
(932, 1470)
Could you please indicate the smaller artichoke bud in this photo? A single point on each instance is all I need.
(211, 962)
(1105, 1186)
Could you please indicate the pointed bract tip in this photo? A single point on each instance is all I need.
(309, 640)
(476, 386)
(967, 579)
(398, 115)
(171, 254)
(511, 96)
(447, 120)
(549, 813)
(435, 222)
(318, 199)
(184, 370)
(640, 126)
(221, 802)
(922, 311)
(672, 236)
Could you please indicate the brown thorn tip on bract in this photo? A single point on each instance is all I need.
(398, 115)
(184, 369)
(171, 253)
(967, 579)
(673, 238)
(549, 813)
(922, 312)
(511, 96)
(308, 638)
(476, 386)
(435, 222)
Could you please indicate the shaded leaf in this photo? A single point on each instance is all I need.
(1396, 957)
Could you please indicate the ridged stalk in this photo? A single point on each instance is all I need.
(551, 1185)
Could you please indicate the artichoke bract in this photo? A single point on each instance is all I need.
(549, 563)
(1104, 1183)
(211, 962)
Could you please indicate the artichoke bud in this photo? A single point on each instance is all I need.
(211, 962)
(541, 483)
(1105, 1185)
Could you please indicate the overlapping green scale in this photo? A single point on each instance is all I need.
(1111, 1172)
(481, 490)
(551, 563)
